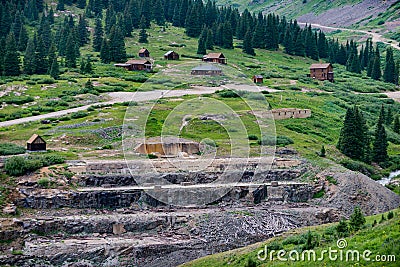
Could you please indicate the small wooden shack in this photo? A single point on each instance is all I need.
(171, 55)
(207, 69)
(258, 79)
(144, 52)
(136, 64)
(36, 143)
(215, 58)
(321, 71)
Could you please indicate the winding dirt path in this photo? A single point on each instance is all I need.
(120, 97)
(376, 37)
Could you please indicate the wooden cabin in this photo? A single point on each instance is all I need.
(171, 55)
(258, 79)
(206, 70)
(136, 64)
(321, 71)
(144, 53)
(36, 143)
(215, 58)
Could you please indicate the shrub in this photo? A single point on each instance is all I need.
(342, 229)
(228, 94)
(253, 137)
(46, 81)
(381, 22)
(390, 215)
(319, 194)
(15, 166)
(152, 156)
(11, 149)
(359, 167)
(43, 182)
(79, 114)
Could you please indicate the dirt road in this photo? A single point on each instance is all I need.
(376, 37)
(119, 97)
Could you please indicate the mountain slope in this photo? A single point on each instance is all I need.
(340, 12)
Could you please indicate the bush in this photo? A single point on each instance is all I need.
(152, 156)
(357, 219)
(390, 215)
(381, 22)
(43, 182)
(11, 149)
(360, 167)
(79, 114)
(253, 137)
(342, 229)
(228, 94)
(15, 166)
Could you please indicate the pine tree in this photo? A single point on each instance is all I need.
(11, 57)
(396, 72)
(389, 72)
(322, 46)
(70, 52)
(389, 116)
(83, 33)
(354, 140)
(117, 45)
(201, 45)
(299, 48)
(396, 124)
(30, 58)
(376, 72)
(98, 35)
(322, 152)
(379, 152)
(81, 4)
(23, 38)
(143, 33)
(55, 69)
(227, 36)
(60, 5)
(41, 57)
(88, 66)
(342, 229)
(159, 13)
(210, 40)
(247, 44)
(357, 219)
(105, 51)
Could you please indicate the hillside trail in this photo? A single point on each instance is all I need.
(376, 37)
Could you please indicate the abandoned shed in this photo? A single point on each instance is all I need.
(321, 71)
(136, 64)
(171, 55)
(215, 58)
(208, 69)
(36, 143)
(144, 53)
(258, 79)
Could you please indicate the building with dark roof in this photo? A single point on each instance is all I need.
(215, 58)
(171, 55)
(207, 69)
(322, 71)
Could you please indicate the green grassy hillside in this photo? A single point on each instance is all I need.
(381, 237)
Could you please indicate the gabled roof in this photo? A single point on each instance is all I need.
(143, 50)
(33, 138)
(215, 55)
(137, 62)
(207, 67)
(169, 52)
(258, 76)
(320, 66)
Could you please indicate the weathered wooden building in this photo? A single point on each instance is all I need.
(215, 58)
(36, 143)
(136, 64)
(322, 72)
(171, 55)
(144, 53)
(258, 79)
(207, 69)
